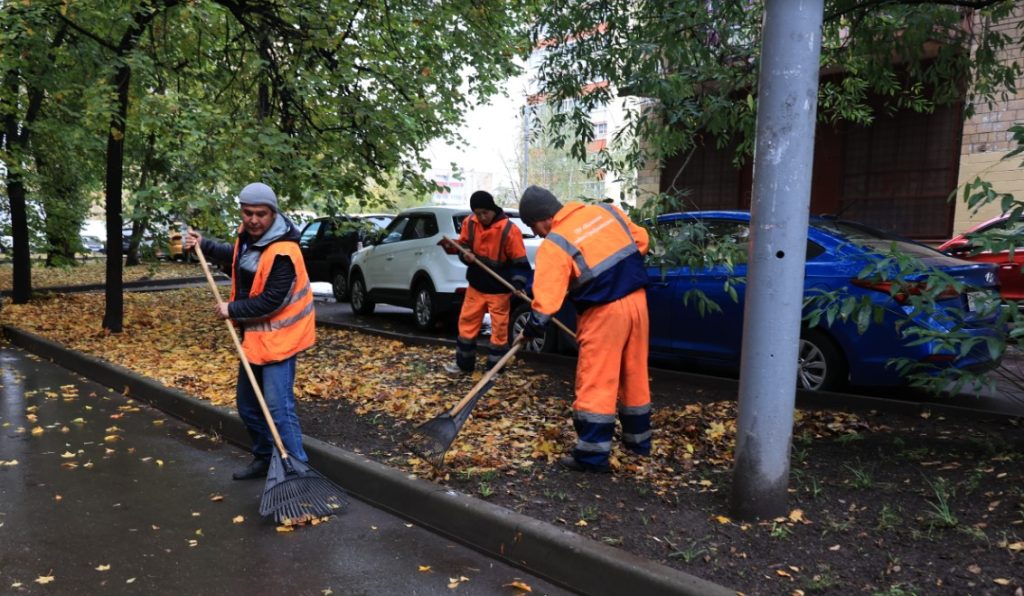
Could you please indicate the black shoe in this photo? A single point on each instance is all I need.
(257, 468)
(570, 463)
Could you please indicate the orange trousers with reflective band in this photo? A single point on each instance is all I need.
(612, 365)
(471, 317)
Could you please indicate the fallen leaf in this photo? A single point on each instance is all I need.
(1016, 546)
(1002, 581)
(216, 498)
(44, 579)
(582, 523)
(37, 431)
(103, 568)
(519, 586)
(796, 515)
(285, 528)
(67, 455)
(722, 519)
(424, 568)
(238, 519)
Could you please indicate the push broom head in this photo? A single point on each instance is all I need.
(295, 493)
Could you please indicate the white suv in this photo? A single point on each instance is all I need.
(409, 266)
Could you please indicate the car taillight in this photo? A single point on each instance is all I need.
(448, 247)
(902, 291)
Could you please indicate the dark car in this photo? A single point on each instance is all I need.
(93, 244)
(327, 245)
(967, 246)
(829, 356)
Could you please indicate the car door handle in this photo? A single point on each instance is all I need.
(389, 258)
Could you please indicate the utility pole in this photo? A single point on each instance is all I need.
(783, 160)
(524, 178)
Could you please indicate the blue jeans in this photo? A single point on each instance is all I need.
(276, 380)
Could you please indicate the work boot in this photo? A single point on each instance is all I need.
(570, 463)
(257, 468)
(453, 369)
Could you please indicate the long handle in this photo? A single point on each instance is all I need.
(521, 294)
(487, 377)
(242, 357)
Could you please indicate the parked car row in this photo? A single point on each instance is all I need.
(408, 265)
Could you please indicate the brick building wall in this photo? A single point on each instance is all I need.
(986, 140)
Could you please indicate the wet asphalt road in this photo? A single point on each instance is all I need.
(105, 495)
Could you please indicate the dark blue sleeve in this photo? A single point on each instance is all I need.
(217, 252)
(275, 292)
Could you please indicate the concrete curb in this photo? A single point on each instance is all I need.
(560, 556)
(128, 285)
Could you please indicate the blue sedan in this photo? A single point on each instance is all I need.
(830, 356)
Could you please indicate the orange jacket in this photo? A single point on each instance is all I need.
(593, 251)
(500, 247)
(292, 328)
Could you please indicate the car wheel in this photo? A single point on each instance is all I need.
(425, 306)
(339, 285)
(361, 303)
(820, 366)
(517, 322)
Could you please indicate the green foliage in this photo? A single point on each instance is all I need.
(700, 67)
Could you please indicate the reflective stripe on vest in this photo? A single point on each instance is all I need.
(588, 273)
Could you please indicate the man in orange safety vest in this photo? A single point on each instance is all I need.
(495, 241)
(596, 254)
(272, 303)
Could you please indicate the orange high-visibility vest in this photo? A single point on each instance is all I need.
(292, 328)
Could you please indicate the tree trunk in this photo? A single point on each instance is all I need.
(113, 318)
(16, 138)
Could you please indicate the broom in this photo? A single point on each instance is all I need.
(294, 493)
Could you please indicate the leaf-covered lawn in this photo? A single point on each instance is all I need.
(94, 271)
(173, 337)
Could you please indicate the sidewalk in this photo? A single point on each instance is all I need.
(106, 495)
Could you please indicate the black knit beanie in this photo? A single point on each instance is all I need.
(482, 199)
(537, 204)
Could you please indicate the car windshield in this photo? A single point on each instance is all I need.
(873, 239)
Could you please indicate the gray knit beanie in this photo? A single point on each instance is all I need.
(537, 204)
(258, 193)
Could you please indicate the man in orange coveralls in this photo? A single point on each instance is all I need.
(495, 241)
(597, 254)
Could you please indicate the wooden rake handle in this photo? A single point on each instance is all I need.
(242, 357)
(488, 376)
(521, 294)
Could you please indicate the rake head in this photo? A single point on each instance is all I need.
(295, 493)
(432, 439)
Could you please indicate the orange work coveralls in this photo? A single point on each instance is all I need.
(500, 247)
(596, 253)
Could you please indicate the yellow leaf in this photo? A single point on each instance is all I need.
(519, 586)
(285, 528)
(217, 498)
(103, 568)
(67, 455)
(37, 431)
(582, 523)
(1016, 546)
(238, 519)
(999, 580)
(44, 579)
(796, 515)
(782, 573)
(722, 519)
(424, 568)
(111, 438)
